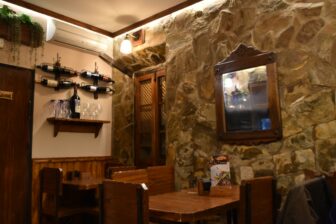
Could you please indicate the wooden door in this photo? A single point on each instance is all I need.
(149, 119)
(16, 108)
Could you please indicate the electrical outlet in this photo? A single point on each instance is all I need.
(2, 43)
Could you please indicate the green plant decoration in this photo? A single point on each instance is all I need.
(16, 22)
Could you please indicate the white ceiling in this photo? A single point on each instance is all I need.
(110, 15)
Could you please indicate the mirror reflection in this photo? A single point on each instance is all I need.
(246, 100)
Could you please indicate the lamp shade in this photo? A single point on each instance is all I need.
(126, 46)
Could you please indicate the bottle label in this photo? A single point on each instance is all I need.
(50, 68)
(77, 106)
(52, 83)
(93, 88)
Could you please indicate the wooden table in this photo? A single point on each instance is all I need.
(188, 206)
(83, 184)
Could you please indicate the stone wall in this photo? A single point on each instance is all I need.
(123, 117)
(302, 34)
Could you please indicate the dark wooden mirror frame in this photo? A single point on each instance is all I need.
(245, 57)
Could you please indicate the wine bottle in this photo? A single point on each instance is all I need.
(97, 76)
(88, 74)
(62, 84)
(90, 88)
(103, 89)
(105, 78)
(65, 84)
(75, 104)
(49, 82)
(54, 68)
(68, 71)
(97, 89)
(46, 67)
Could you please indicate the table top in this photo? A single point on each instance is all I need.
(84, 184)
(188, 206)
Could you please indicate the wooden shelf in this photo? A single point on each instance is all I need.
(76, 125)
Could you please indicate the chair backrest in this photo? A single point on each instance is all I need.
(258, 201)
(50, 191)
(131, 176)
(110, 170)
(161, 179)
(125, 203)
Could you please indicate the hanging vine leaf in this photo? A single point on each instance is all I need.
(14, 26)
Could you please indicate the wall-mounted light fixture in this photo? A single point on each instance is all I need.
(126, 45)
(132, 40)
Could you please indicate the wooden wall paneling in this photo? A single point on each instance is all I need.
(94, 165)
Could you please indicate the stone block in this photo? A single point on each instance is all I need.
(263, 167)
(314, 109)
(326, 130)
(247, 153)
(309, 30)
(285, 37)
(326, 154)
(304, 159)
(283, 163)
(302, 140)
(322, 73)
(290, 124)
(246, 172)
(309, 9)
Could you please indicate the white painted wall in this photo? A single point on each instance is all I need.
(65, 144)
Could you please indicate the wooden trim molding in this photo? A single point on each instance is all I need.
(97, 29)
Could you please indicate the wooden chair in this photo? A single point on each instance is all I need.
(258, 201)
(112, 169)
(50, 197)
(161, 179)
(125, 203)
(131, 176)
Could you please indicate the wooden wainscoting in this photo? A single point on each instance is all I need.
(94, 165)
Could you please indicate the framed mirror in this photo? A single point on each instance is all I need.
(247, 99)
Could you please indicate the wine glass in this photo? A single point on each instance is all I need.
(52, 108)
(91, 110)
(66, 109)
(84, 110)
(99, 108)
(94, 110)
